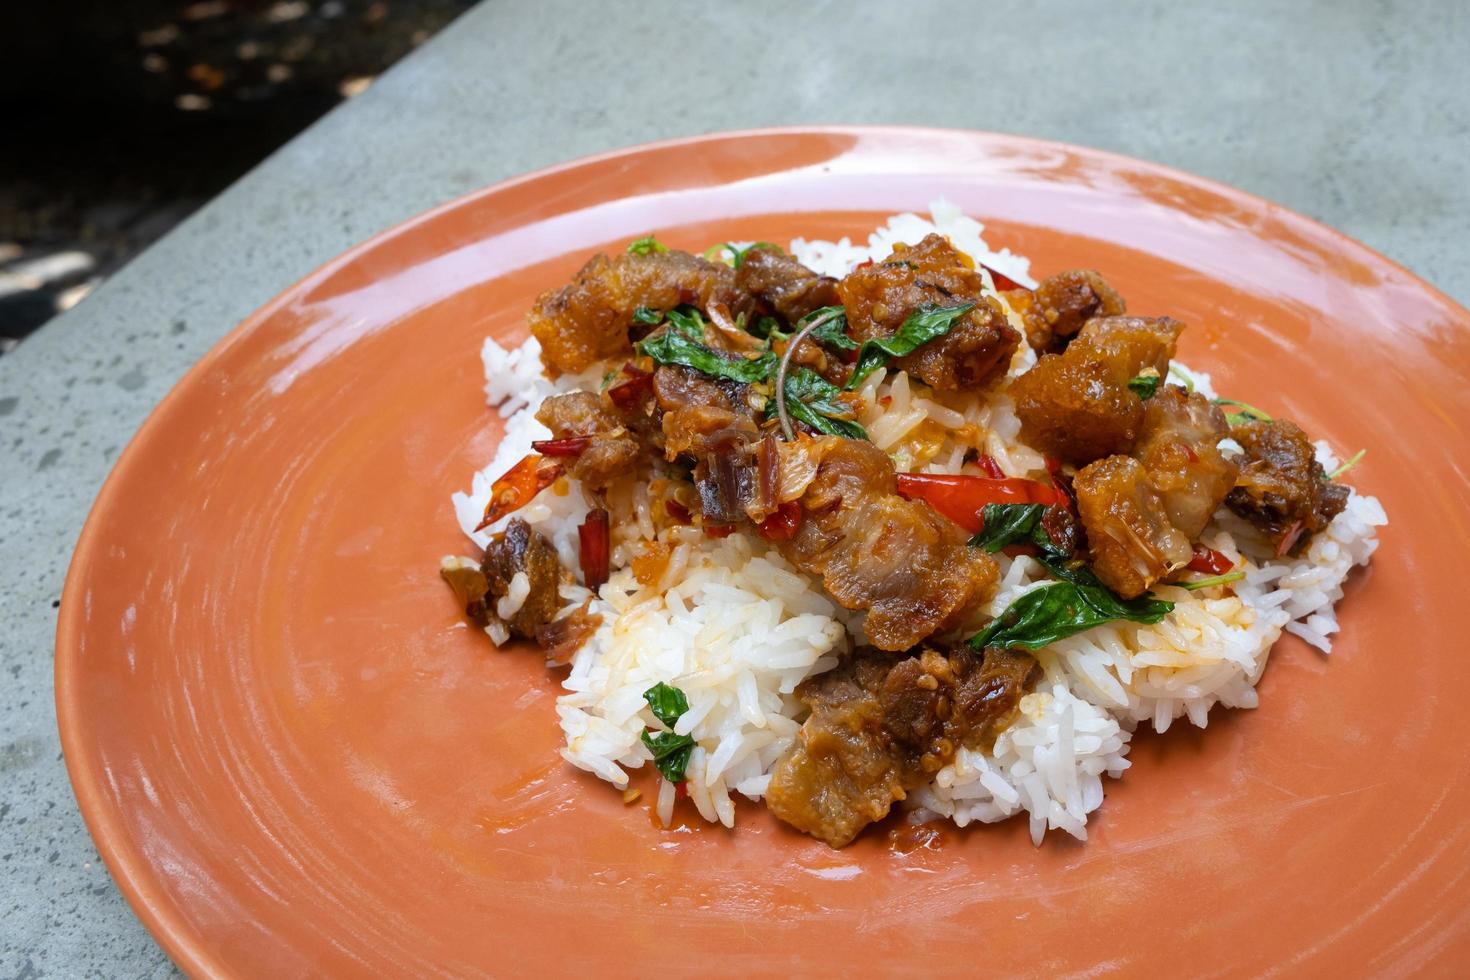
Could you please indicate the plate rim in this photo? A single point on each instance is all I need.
(135, 878)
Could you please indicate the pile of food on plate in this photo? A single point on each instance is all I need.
(837, 527)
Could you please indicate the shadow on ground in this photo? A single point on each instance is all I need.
(122, 118)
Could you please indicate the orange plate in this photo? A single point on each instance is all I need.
(296, 759)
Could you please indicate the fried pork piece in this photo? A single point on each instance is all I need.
(712, 421)
(1077, 405)
(518, 549)
(784, 285)
(1179, 449)
(1282, 489)
(1132, 542)
(1076, 408)
(611, 450)
(1061, 304)
(562, 638)
(698, 410)
(898, 559)
(588, 319)
(1131, 345)
(882, 725)
(878, 298)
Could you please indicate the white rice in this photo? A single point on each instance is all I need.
(737, 629)
(737, 633)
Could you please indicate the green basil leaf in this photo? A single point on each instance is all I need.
(687, 321)
(644, 315)
(831, 331)
(765, 327)
(667, 702)
(648, 245)
(923, 325)
(1006, 524)
(738, 254)
(813, 401)
(670, 753)
(1062, 609)
(1247, 413)
(1143, 609)
(1144, 385)
(683, 343)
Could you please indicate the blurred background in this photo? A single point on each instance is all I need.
(121, 118)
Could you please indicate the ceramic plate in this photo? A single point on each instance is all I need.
(295, 758)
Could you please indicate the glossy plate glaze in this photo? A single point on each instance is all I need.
(296, 759)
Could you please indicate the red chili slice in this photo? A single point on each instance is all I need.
(1209, 560)
(783, 524)
(676, 511)
(992, 469)
(518, 486)
(570, 446)
(1002, 281)
(1289, 539)
(719, 530)
(1061, 484)
(962, 498)
(626, 394)
(596, 547)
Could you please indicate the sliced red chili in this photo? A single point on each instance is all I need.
(962, 498)
(595, 539)
(719, 530)
(1289, 539)
(1209, 560)
(992, 469)
(570, 446)
(1002, 281)
(1061, 483)
(783, 524)
(518, 486)
(626, 394)
(676, 511)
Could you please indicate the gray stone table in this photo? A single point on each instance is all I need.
(1354, 112)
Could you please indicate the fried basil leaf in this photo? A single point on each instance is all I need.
(766, 327)
(1059, 610)
(1006, 524)
(644, 315)
(1247, 413)
(923, 325)
(831, 329)
(667, 702)
(1144, 385)
(670, 753)
(813, 401)
(738, 254)
(648, 245)
(683, 343)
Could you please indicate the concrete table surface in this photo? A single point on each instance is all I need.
(1356, 113)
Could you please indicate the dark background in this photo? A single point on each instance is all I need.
(119, 119)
